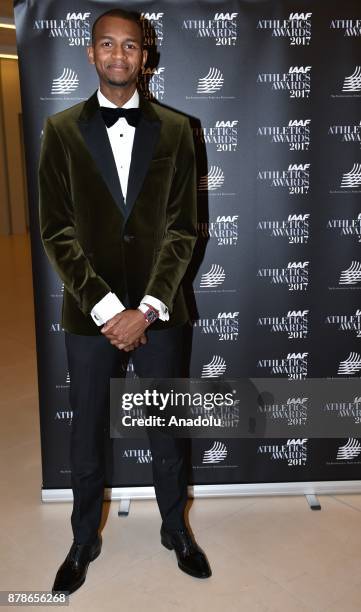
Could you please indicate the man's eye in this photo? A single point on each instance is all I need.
(106, 43)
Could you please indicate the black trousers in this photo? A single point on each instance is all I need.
(92, 361)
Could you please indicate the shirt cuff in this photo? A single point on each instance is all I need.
(106, 308)
(158, 305)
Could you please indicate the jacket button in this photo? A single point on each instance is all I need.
(128, 237)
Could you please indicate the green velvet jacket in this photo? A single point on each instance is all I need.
(95, 241)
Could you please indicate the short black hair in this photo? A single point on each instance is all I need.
(123, 14)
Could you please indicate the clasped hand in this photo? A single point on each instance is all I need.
(126, 329)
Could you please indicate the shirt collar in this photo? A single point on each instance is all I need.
(133, 102)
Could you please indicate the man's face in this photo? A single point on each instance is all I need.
(117, 52)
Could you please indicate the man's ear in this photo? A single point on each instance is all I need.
(90, 53)
(145, 57)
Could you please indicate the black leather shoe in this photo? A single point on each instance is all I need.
(191, 558)
(71, 574)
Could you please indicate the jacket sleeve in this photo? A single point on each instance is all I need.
(180, 235)
(58, 225)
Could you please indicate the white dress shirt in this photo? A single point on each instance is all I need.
(121, 137)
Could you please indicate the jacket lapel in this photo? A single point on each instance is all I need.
(93, 130)
(145, 140)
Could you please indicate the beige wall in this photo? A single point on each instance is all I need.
(13, 206)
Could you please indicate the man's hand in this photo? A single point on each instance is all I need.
(126, 329)
(141, 340)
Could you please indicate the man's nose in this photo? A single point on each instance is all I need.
(119, 52)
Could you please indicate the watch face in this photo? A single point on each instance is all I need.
(151, 316)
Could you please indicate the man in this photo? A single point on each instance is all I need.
(118, 223)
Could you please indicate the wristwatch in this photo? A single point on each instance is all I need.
(150, 313)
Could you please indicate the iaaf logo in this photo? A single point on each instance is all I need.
(351, 275)
(224, 229)
(294, 411)
(295, 228)
(294, 323)
(214, 277)
(352, 179)
(351, 27)
(153, 29)
(214, 368)
(346, 133)
(345, 410)
(222, 28)
(217, 453)
(226, 124)
(152, 16)
(296, 178)
(212, 82)
(138, 455)
(225, 16)
(349, 451)
(77, 16)
(295, 275)
(297, 81)
(297, 134)
(351, 365)
(294, 452)
(66, 83)
(213, 180)
(75, 28)
(347, 227)
(297, 28)
(294, 365)
(225, 326)
(224, 135)
(346, 322)
(152, 82)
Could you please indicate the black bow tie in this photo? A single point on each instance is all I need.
(111, 115)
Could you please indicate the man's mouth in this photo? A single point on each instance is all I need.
(117, 67)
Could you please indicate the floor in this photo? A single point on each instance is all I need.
(266, 553)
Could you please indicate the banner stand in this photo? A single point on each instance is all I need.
(310, 489)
